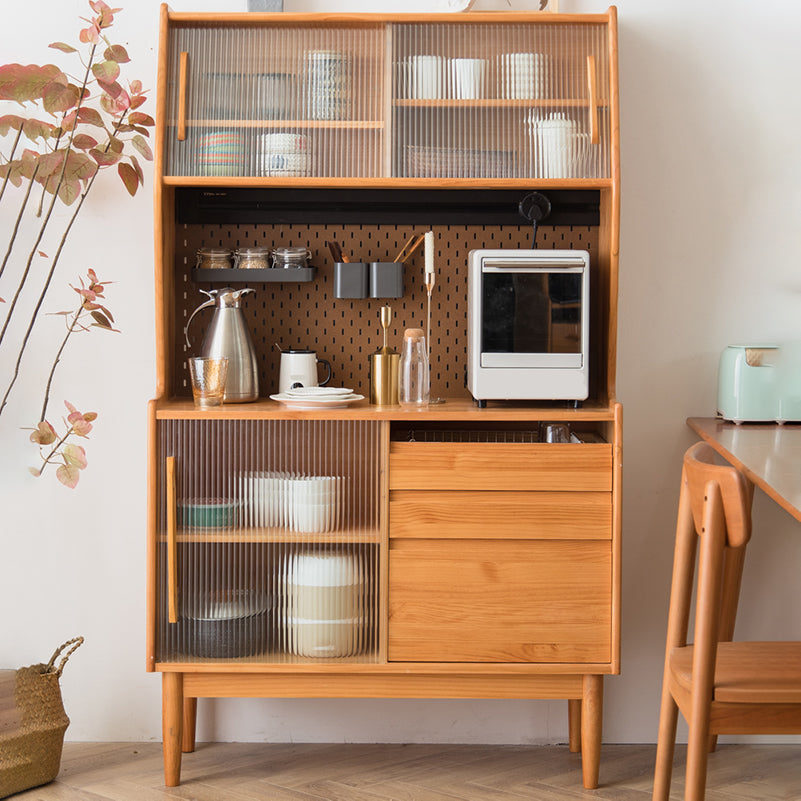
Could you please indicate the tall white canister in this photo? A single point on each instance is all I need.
(324, 604)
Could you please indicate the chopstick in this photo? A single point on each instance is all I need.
(336, 252)
(404, 254)
(402, 251)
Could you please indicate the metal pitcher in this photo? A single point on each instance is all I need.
(228, 336)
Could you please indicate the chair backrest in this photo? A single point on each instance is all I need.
(735, 490)
(716, 497)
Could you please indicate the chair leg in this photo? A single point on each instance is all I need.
(666, 746)
(574, 724)
(697, 754)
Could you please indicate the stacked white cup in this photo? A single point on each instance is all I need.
(467, 78)
(424, 77)
(525, 75)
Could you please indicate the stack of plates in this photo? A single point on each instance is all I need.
(317, 397)
(284, 154)
(221, 153)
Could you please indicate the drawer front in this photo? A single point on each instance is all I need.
(495, 466)
(446, 514)
(500, 601)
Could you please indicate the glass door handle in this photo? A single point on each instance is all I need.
(172, 543)
(183, 71)
(592, 86)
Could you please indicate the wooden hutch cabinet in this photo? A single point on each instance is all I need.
(464, 557)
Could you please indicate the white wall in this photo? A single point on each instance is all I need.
(711, 176)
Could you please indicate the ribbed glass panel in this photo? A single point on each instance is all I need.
(467, 101)
(278, 102)
(277, 554)
(500, 101)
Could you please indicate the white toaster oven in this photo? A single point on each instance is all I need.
(528, 324)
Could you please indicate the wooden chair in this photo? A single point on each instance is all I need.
(720, 686)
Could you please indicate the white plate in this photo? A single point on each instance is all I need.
(336, 402)
(318, 392)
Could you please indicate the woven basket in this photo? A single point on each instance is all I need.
(32, 723)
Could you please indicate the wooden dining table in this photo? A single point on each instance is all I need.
(768, 454)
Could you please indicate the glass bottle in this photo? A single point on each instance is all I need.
(413, 380)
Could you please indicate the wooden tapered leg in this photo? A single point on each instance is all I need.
(592, 707)
(666, 745)
(172, 715)
(190, 719)
(574, 724)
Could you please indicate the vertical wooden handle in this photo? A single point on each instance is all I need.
(172, 544)
(592, 86)
(182, 77)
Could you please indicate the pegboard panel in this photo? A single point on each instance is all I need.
(345, 331)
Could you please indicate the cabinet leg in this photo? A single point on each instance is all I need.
(592, 705)
(172, 714)
(190, 719)
(574, 724)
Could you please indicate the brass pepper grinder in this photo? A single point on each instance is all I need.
(384, 368)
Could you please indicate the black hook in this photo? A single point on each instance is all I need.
(534, 207)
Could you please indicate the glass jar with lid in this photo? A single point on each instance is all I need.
(291, 257)
(214, 259)
(254, 258)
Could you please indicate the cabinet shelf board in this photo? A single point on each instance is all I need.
(454, 409)
(272, 535)
(384, 182)
(530, 102)
(255, 665)
(333, 124)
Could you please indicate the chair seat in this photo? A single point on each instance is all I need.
(748, 672)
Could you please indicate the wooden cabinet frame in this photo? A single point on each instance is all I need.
(533, 494)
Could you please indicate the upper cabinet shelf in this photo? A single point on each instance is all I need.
(319, 97)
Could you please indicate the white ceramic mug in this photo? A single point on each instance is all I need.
(299, 369)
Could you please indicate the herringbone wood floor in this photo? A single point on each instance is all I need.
(285, 772)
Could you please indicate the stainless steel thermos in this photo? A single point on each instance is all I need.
(228, 337)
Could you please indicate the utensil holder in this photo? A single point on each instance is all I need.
(350, 279)
(386, 279)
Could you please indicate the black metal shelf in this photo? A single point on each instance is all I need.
(270, 275)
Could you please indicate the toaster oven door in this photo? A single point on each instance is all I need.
(532, 316)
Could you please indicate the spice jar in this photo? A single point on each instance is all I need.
(252, 258)
(289, 258)
(213, 259)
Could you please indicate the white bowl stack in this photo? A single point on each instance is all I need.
(305, 504)
(315, 503)
(265, 498)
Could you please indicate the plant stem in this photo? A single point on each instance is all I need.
(46, 459)
(42, 294)
(46, 220)
(70, 329)
(10, 159)
(17, 224)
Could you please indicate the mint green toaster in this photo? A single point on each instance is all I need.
(757, 384)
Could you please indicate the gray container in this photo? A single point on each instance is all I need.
(351, 279)
(386, 279)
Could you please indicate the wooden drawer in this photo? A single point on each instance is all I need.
(500, 466)
(500, 601)
(448, 514)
